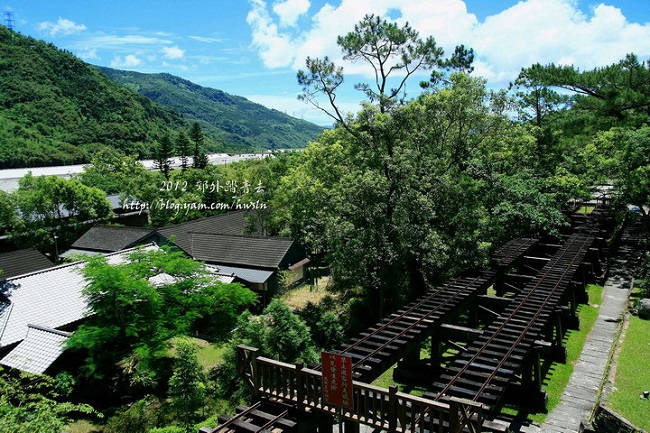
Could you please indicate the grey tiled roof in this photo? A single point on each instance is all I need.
(51, 298)
(257, 276)
(229, 223)
(245, 251)
(111, 238)
(37, 351)
(22, 262)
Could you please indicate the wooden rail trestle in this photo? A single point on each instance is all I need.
(381, 408)
(374, 351)
(488, 366)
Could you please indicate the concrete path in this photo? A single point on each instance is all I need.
(582, 393)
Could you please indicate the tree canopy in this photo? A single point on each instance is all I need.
(136, 308)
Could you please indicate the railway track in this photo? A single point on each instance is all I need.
(375, 350)
(490, 363)
(261, 417)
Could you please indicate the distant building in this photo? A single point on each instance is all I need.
(261, 263)
(102, 239)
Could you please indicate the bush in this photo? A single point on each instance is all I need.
(168, 429)
(140, 417)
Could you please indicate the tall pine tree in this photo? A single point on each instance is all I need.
(163, 155)
(199, 157)
(183, 149)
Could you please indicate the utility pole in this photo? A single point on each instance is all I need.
(9, 20)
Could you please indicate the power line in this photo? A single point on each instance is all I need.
(9, 20)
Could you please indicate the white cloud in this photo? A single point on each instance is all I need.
(206, 39)
(62, 26)
(531, 31)
(128, 61)
(274, 48)
(290, 10)
(114, 41)
(89, 55)
(174, 52)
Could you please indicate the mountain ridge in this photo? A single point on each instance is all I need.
(56, 109)
(233, 119)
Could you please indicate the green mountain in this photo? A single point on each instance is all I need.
(56, 109)
(234, 120)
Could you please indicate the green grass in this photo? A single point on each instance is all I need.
(633, 375)
(585, 209)
(208, 354)
(558, 374)
(386, 379)
(83, 426)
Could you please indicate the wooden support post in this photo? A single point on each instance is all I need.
(350, 426)
(325, 423)
(537, 367)
(559, 334)
(527, 375)
(300, 385)
(499, 288)
(472, 318)
(435, 351)
(413, 354)
(454, 416)
(574, 320)
(572, 300)
(392, 408)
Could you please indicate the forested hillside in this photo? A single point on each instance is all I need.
(234, 120)
(56, 109)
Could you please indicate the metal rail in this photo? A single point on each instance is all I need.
(422, 315)
(534, 301)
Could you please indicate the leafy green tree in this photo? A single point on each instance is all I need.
(139, 417)
(28, 403)
(277, 332)
(52, 206)
(163, 155)
(113, 172)
(187, 384)
(620, 155)
(326, 321)
(401, 206)
(199, 157)
(7, 211)
(51, 198)
(369, 191)
(134, 319)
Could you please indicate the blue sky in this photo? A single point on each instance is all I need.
(253, 48)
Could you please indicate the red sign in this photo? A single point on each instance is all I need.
(337, 379)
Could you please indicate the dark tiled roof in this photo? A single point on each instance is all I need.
(257, 252)
(22, 262)
(111, 239)
(229, 223)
